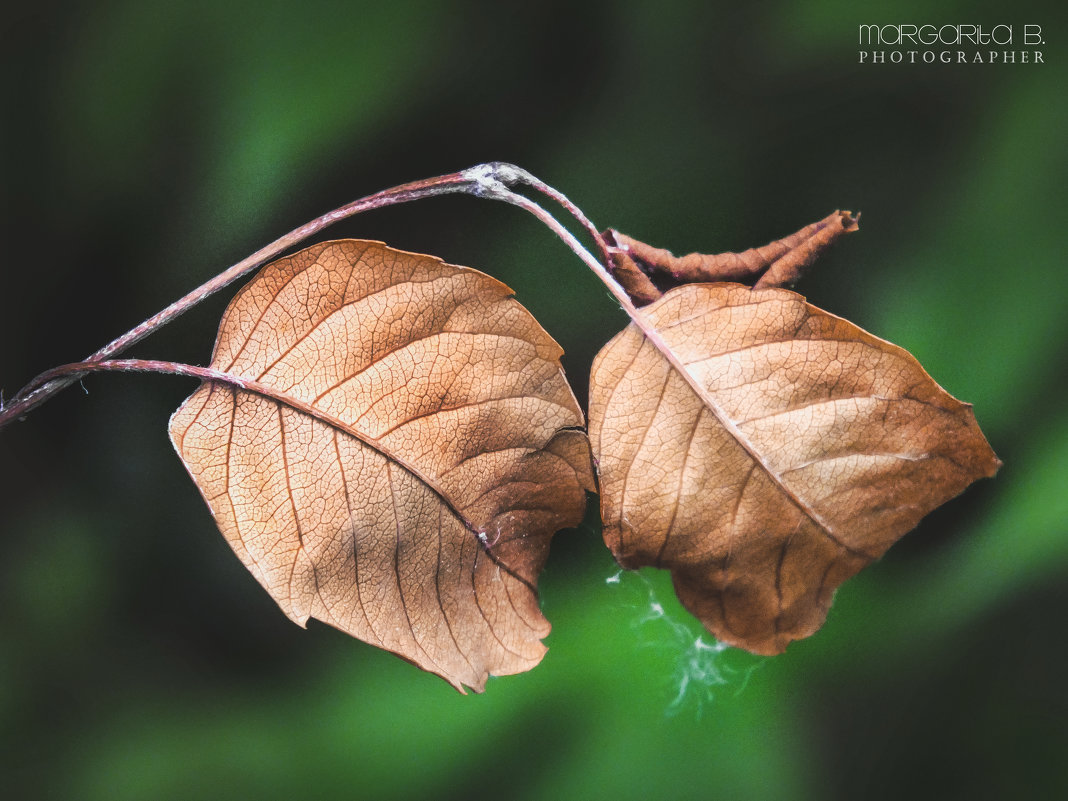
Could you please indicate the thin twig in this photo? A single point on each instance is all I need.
(38, 391)
(484, 180)
(492, 188)
(510, 175)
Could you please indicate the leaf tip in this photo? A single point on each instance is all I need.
(849, 221)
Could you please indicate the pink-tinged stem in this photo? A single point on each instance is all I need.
(38, 391)
(484, 180)
(510, 175)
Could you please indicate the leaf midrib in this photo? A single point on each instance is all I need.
(298, 405)
(646, 327)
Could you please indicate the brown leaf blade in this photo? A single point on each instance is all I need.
(784, 451)
(394, 454)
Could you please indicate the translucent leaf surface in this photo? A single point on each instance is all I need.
(766, 453)
(392, 454)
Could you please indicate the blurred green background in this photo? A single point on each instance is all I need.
(146, 146)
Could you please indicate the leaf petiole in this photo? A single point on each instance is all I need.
(80, 369)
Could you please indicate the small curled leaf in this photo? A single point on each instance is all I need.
(646, 272)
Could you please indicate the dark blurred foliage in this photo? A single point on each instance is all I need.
(145, 146)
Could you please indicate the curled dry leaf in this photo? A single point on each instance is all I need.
(393, 454)
(647, 272)
(765, 452)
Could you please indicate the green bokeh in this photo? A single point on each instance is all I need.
(148, 145)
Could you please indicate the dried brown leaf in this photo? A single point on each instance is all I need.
(396, 454)
(646, 272)
(767, 453)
